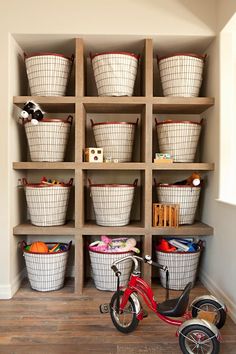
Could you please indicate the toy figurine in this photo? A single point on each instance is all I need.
(33, 109)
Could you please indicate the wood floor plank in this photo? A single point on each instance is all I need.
(62, 322)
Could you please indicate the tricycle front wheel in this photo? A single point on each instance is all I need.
(125, 321)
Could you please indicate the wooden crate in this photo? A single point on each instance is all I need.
(165, 215)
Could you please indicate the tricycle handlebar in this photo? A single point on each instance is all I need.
(135, 259)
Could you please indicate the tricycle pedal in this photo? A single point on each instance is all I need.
(104, 308)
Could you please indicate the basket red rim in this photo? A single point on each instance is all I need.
(91, 250)
(44, 185)
(49, 243)
(112, 185)
(166, 185)
(46, 120)
(27, 56)
(179, 252)
(136, 56)
(199, 56)
(178, 122)
(107, 123)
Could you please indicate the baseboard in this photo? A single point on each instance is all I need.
(219, 293)
(8, 291)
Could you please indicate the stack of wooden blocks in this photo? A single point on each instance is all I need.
(165, 215)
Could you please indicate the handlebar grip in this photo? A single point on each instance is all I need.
(116, 270)
(157, 265)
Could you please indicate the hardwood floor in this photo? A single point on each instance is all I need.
(60, 322)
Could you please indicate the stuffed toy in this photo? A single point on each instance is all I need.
(194, 180)
(33, 109)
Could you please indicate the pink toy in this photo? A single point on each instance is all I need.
(114, 245)
(129, 245)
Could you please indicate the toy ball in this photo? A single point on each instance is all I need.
(38, 247)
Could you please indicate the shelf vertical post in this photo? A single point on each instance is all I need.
(79, 68)
(79, 263)
(148, 68)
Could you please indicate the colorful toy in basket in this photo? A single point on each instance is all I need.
(33, 109)
(114, 245)
(194, 180)
(174, 245)
(38, 247)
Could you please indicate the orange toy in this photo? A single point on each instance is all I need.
(38, 247)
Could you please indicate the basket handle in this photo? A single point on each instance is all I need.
(137, 121)
(156, 121)
(92, 122)
(70, 182)
(155, 182)
(69, 245)
(90, 182)
(135, 182)
(202, 122)
(72, 58)
(22, 244)
(70, 119)
(24, 181)
(25, 56)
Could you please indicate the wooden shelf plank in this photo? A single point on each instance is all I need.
(187, 105)
(178, 166)
(113, 166)
(134, 228)
(62, 104)
(44, 165)
(29, 229)
(114, 104)
(197, 229)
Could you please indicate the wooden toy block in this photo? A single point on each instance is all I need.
(93, 154)
(165, 215)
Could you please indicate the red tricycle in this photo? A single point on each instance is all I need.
(196, 335)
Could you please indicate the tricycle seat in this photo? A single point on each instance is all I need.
(176, 307)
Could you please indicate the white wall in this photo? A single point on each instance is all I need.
(218, 267)
(157, 18)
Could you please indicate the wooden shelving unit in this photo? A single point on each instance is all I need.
(145, 105)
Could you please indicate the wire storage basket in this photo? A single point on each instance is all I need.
(116, 139)
(48, 73)
(186, 196)
(46, 271)
(179, 139)
(48, 139)
(103, 276)
(47, 204)
(182, 268)
(112, 203)
(115, 73)
(181, 74)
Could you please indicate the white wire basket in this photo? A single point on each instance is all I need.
(112, 203)
(179, 139)
(182, 268)
(116, 139)
(115, 73)
(48, 139)
(48, 73)
(46, 271)
(47, 204)
(103, 276)
(186, 196)
(181, 74)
